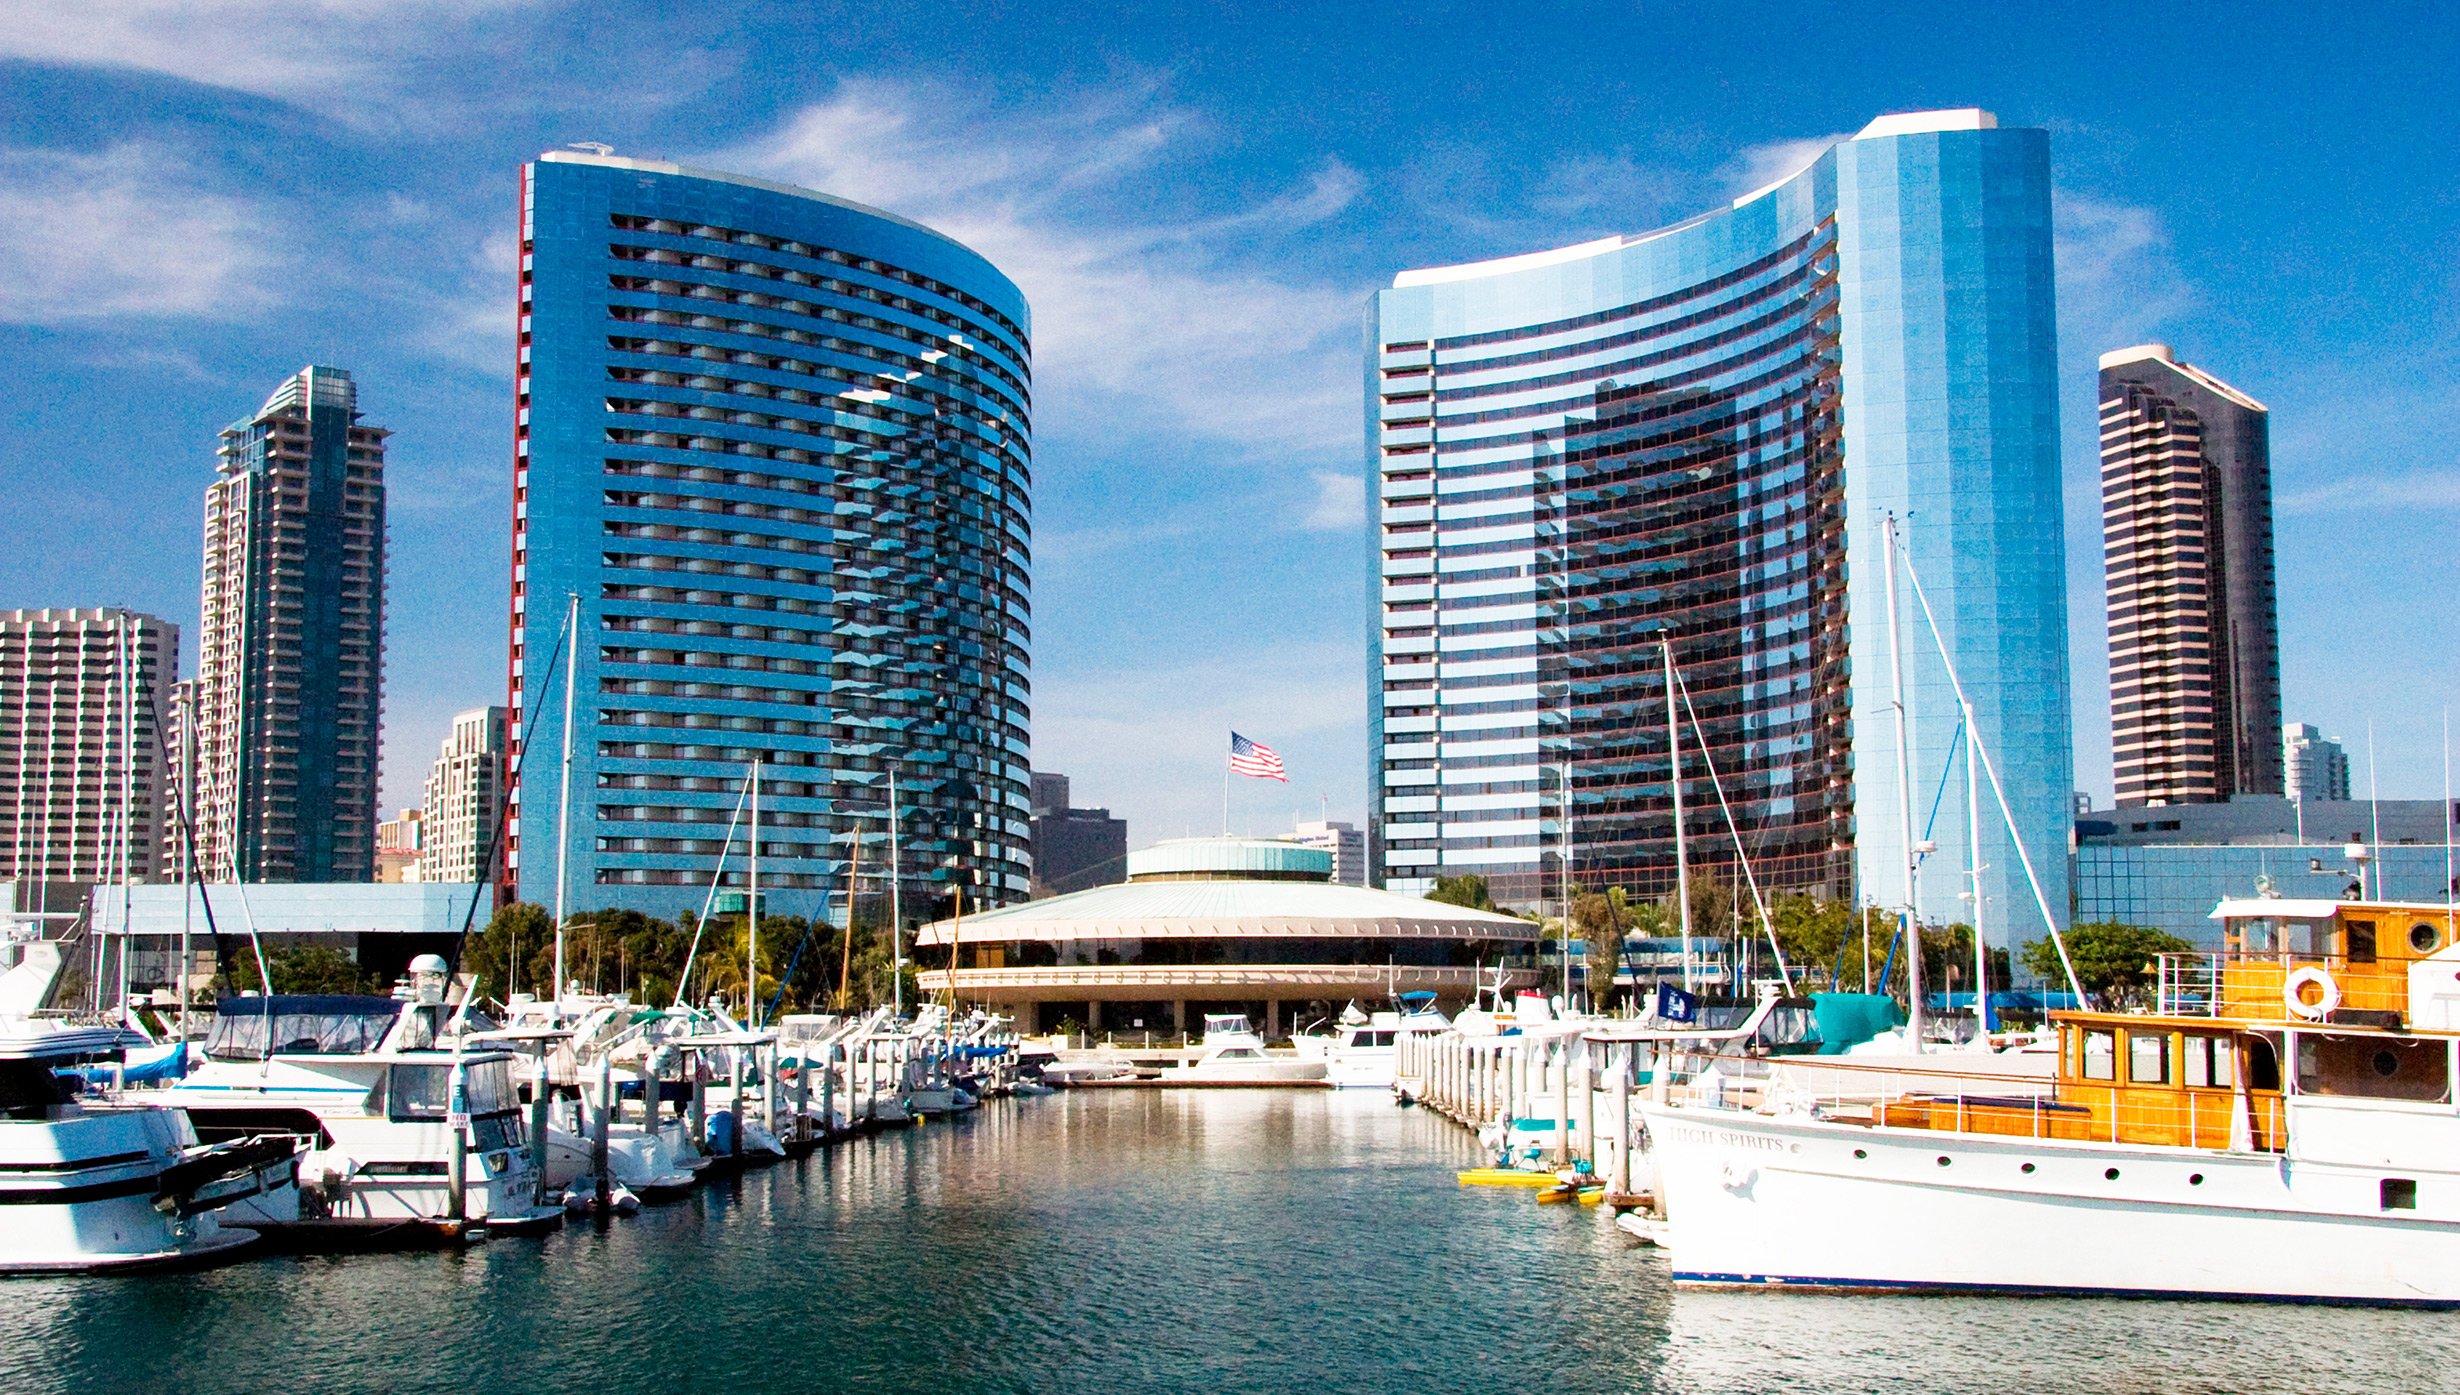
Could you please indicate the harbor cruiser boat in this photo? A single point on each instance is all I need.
(1232, 1054)
(2282, 1126)
(388, 1111)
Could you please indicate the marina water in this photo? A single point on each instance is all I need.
(1133, 1240)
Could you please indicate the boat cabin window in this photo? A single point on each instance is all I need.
(2206, 1063)
(2358, 940)
(2425, 937)
(2148, 1058)
(2263, 1063)
(2098, 1055)
(2383, 1068)
(418, 1092)
(293, 1024)
(29, 1089)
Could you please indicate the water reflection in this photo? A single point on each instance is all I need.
(1129, 1241)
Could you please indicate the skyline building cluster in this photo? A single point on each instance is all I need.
(771, 506)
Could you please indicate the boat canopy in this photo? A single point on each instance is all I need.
(300, 1024)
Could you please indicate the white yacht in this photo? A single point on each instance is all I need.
(386, 1112)
(91, 1187)
(1363, 1047)
(1232, 1054)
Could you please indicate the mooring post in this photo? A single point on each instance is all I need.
(539, 1095)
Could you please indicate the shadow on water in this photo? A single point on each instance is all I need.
(1104, 1241)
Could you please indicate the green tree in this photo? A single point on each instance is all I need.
(307, 968)
(1600, 919)
(515, 952)
(1469, 890)
(2114, 961)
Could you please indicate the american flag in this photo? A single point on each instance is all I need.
(1255, 758)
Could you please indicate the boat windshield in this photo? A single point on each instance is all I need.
(290, 1024)
(1214, 1023)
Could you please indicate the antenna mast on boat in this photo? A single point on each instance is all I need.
(1904, 808)
(896, 906)
(563, 803)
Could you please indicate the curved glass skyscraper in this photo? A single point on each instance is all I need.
(778, 446)
(1694, 437)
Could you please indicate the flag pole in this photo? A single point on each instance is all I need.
(1225, 796)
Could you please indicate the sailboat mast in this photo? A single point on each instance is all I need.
(896, 905)
(563, 802)
(1973, 856)
(1674, 778)
(1904, 806)
(751, 916)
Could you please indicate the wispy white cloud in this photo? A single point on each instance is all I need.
(1340, 504)
(126, 233)
(1755, 167)
(337, 54)
(1170, 321)
(2117, 284)
(2395, 491)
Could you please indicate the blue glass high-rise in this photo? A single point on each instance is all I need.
(1696, 436)
(778, 446)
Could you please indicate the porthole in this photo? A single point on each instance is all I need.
(2110, 1172)
(2195, 1179)
(1859, 1154)
(1943, 1159)
(2028, 1167)
(2386, 1064)
(2425, 938)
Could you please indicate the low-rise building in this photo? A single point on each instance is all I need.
(2168, 866)
(1249, 925)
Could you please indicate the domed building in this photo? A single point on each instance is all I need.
(1252, 925)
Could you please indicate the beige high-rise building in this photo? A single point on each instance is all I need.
(290, 655)
(465, 789)
(83, 699)
(2186, 518)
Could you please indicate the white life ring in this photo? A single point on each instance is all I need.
(2293, 993)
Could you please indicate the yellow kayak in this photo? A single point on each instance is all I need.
(1504, 1177)
(1586, 1195)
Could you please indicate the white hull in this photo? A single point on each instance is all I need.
(1246, 1073)
(69, 1207)
(1791, 1201)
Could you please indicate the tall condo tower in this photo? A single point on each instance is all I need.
(1697, 436)
(288, 695)
(465, 789)
(2186, 522)
(777, 446)
(84, 695)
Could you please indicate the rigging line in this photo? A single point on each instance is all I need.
(1991, 769)
(1785, 974)
(1931, 824)
(503, 811)
(794, 959)
(701, 926)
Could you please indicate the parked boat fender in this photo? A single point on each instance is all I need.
(2326, 993)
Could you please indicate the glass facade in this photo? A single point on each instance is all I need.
(2174, 887)
(1693, 438)
(779, 446)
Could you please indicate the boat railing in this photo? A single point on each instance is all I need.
(2188, 984)
(2215, 1119)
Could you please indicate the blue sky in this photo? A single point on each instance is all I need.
(196, 199)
